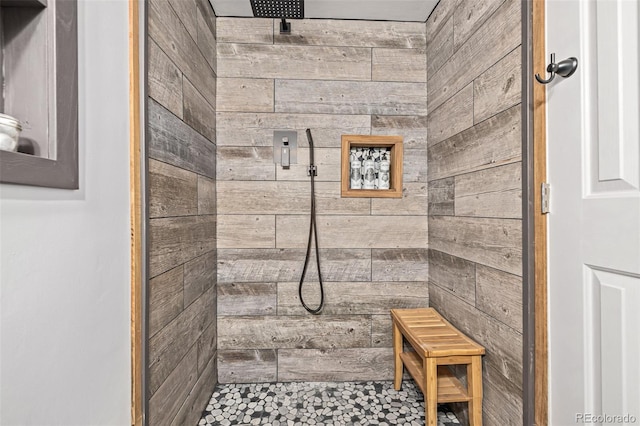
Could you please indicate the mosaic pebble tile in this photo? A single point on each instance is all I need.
(310, 403)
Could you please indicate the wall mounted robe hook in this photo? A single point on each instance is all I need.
(564, 68)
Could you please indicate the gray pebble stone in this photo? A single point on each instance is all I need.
(339, 404)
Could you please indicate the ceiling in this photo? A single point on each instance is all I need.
(373, 10)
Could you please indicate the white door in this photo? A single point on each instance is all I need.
(594, 224)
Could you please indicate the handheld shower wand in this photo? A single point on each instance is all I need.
(313, 233)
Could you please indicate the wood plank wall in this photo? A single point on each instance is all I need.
(182, 209)
(334, 77)
(474, 174)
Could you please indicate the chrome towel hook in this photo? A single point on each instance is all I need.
(564, 68)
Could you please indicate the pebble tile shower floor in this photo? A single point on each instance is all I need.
(302, 404)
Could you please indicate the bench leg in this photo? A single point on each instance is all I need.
(397, 350)
(474, 390)
(430, 392)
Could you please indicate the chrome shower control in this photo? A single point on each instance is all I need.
(285, 148)
(285, 160)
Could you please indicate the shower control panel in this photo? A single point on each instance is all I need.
(285, 147)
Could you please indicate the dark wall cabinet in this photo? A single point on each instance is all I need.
(39, 54)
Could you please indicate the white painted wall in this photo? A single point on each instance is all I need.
(64, 258)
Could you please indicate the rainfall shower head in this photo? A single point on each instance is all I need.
(280, 9)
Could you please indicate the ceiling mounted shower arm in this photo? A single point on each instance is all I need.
(279, 9)
(285, 27)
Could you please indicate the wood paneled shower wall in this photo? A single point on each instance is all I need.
(475, 187)
(335, 77)
(181, 209)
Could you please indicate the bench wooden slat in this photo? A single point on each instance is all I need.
(422, 323)
(449, 387)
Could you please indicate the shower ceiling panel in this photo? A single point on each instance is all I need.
(374, 10)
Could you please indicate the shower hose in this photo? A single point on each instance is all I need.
(313, 233)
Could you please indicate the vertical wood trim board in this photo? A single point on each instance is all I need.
(540, 220)
(137, 259)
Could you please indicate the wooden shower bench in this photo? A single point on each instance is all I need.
(436, 345)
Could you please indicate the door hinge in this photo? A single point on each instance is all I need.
(545, 194)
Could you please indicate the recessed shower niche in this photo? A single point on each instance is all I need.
(39, 62)
(371, 166)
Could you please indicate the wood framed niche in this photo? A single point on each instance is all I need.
(39, 59)
(358, 147)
